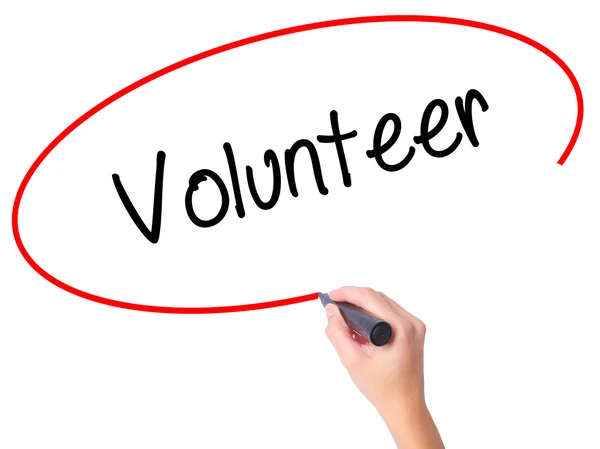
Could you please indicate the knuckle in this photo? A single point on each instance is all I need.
(420, 327)
(405, 331)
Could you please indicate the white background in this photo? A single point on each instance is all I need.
(495, 248)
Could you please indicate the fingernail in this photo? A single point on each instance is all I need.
(329, 310)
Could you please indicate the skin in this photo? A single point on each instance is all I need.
(390, 377)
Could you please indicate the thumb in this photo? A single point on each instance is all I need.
(340, 336)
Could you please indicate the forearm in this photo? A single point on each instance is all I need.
(411, 425)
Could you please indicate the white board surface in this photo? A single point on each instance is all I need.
(495, 246)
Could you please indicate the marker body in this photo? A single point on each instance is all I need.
(377, 331)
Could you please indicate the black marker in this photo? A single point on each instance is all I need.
(359, 320)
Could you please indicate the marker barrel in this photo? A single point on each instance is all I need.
(375, 330)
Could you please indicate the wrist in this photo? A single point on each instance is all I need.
(400, 402)
(411, 424)
(406, 407)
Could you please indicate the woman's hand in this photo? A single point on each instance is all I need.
(391, 376)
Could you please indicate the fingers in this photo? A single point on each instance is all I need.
(340, 336)
(397, 307)
(416, 322)
(366, 298)
(382, 306)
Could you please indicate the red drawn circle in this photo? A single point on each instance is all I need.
(223, 48)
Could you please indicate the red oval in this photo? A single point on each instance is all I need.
(224, 48)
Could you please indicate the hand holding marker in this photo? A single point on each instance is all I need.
(377, 331)
(388, 370)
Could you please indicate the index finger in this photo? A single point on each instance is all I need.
(366, 298)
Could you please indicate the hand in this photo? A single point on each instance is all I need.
(391, 376)
(392, 373)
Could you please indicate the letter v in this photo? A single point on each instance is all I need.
(152, 235)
